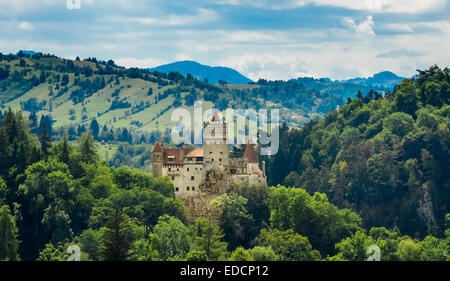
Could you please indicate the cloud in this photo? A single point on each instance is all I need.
(25, 26)
(261, 39)
(364, 27)
(201, 16)
(140, 63)
(181, 57)
(400, 53)
(388, 6)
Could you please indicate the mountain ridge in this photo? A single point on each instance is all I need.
(200, 71)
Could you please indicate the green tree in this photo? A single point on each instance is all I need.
(408, 250)
(117, 238)
(3, 191)
(399, 123)
(387, 241)
(9, 244)
(434, 249)
(311, 216)
(233, 217)
(206, 236)
(52, 253)
(240, 254)
(288, 245)
(63, 150)
(260, 253)
(94, 128)
(87, 149)
(91, 241)
(405, 98)
(47, 204)
(196, 256)
(354, 248)
(170, 238)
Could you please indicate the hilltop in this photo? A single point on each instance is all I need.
(385, 79)
(202, 72)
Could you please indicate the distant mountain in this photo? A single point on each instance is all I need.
(385, 79)
(27, 53)
(381, 82)
(200, 71)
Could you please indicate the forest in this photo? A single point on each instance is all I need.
(386, 158)
(373, 172)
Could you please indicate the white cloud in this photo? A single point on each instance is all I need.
(26, 26)
(202, 16)
(365, 27)
(141, 63)
(391, 6)
(181, 57)
(351, 57)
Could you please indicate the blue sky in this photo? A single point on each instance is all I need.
(280, 39)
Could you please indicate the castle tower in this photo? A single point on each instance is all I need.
(252, 158)
(157, 160)
(215, 143)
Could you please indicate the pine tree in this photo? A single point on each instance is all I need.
(8, 235)
(46, 141)
(117, 238)
(87, 149)
(94, 128)
(206, 237)
(65, 150)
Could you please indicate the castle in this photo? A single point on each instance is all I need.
(206, 171)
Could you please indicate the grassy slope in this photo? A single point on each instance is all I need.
(97, 106)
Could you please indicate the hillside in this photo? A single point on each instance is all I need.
(202, 72)
(75, 92)
(386, 158)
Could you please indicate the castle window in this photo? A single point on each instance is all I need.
(187, 188)
(193, 188)
(192, 178)
(176, 189)
(220, 160)
(173, 178)
(187, 169)
(212, 160)
(170, 169)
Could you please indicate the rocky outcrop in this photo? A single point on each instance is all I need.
(425, 209)
(198, 204)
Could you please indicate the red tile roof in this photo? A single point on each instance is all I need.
(173, 152)
(193, 152)
(157, 147)
(177, 154)
(250, 153)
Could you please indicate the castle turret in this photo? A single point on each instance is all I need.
(215, 143)
(252, 158)
(157, 159)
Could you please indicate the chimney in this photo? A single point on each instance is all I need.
(182, 151)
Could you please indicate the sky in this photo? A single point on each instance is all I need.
(281, 39)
